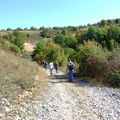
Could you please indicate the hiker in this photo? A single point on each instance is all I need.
(42, 63)
(51, 67)
(56, 66)
(71, 67)
(45, 65)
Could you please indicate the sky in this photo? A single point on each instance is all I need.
(51, 13)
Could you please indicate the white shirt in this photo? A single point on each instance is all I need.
(51, 66)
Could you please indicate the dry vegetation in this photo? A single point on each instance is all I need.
(18, 75)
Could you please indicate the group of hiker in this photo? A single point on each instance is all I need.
(50, 65)
(54, 65)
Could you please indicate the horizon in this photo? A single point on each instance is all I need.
(38, 27)
(37, 13)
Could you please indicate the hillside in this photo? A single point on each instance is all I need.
(18, 75)
(28, 92)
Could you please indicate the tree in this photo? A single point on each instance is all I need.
(19, 29)
(102, 23)
(65, 41)
(49, 51)
(9, 29)
(61, 40)
(33, 28)
(113, 32)
(109, 22)
(117, 21)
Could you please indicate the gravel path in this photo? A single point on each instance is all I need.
(72, 101)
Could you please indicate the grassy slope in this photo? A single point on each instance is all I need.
(18, 75)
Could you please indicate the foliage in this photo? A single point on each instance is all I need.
(104, 36)
(95, 62)
(65, 41)
(71, 53)
(91, 49)
(114, 33)
(18, 39)
(45, 33)
(102, 23)
(7, 45)
(15, 49)
(64, 32)
(112, 73)
(50, 52)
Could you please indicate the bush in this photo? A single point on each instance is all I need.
(15, 49)
(112, 76)
(18, 39)
(112, 73)
(50, 52)
(99, 64)
(65, 41)
(91, 49)
(71, 53)
(55, 53)
(93, 67)
(16, 74)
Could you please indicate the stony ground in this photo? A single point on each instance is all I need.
(66, 101)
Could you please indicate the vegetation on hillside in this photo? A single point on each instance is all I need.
(13, 42)
(18, 75)
(94, 48)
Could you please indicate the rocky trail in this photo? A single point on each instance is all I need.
(78, 101)
(62, 100)
(69, 101)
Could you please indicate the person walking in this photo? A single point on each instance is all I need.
(51, 67)
(71, 68)
(45, 65)
(56, 66)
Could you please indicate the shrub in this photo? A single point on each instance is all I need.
(112, 73)
(91, 49)
(93, 67)
(15, 49)
(65, 41)
(16, 74)
(49, 51)
(97, 63)
(18, 39)
(71, 53)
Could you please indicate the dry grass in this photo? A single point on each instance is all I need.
(18, 75)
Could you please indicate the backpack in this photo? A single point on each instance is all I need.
(71, 67)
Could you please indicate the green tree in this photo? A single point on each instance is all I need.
(117, 21)
(9, 29)
(19, 29)
(113, 33)
(109, 22)
(102, 23)
(65, 41)
(61, 40)
(49, 51)
(33, 28)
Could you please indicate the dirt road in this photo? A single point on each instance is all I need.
(77, 101)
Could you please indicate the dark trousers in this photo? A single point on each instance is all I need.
(70, 75)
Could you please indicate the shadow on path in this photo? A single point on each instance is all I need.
(63, 78)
